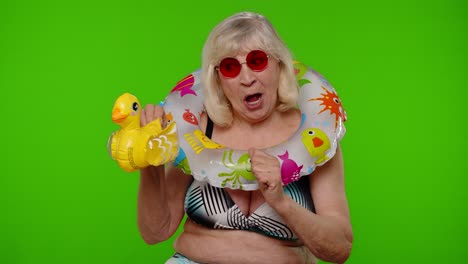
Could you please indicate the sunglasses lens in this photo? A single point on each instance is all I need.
(229, 67)
(257, 60)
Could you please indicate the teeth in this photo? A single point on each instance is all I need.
(253, 102)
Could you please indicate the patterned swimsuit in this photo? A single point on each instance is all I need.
(213, 207)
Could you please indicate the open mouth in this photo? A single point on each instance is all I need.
(253, 98)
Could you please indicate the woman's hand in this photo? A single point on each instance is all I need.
(266, 169)
(148, 114)
(152, 112)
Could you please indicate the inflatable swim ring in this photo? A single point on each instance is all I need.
(313, 144)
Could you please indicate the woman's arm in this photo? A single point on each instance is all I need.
(161, 193)
(327, 233)
(161, 202)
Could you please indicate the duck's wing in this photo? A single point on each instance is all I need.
(162, 145)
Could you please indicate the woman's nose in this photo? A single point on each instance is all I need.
(246, 76)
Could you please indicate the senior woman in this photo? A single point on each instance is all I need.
(250, 89)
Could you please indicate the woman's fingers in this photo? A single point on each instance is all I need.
(264, 166)
(266, 169)
(159, 113)
(152, 112)
(149, 112)
(143, 118)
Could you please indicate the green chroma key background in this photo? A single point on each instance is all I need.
(399, 67)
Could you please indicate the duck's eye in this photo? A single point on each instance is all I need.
(135, 106)
(311, 132)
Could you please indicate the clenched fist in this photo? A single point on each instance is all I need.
(266, 169)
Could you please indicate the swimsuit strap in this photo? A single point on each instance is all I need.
(209, 127)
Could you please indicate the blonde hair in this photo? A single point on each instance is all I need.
(230, 37)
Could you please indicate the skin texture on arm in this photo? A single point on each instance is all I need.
(161, 194)
(327, 233)
(161, 202)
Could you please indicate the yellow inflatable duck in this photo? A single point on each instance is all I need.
(135, 147)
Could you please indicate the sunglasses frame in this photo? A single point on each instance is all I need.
(218, 67)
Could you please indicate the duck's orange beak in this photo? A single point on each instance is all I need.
(317, 142)
(117, 115)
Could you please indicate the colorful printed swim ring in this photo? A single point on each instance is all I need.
(313, 144)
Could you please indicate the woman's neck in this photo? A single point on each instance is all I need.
(243, 134)
(268, 122)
